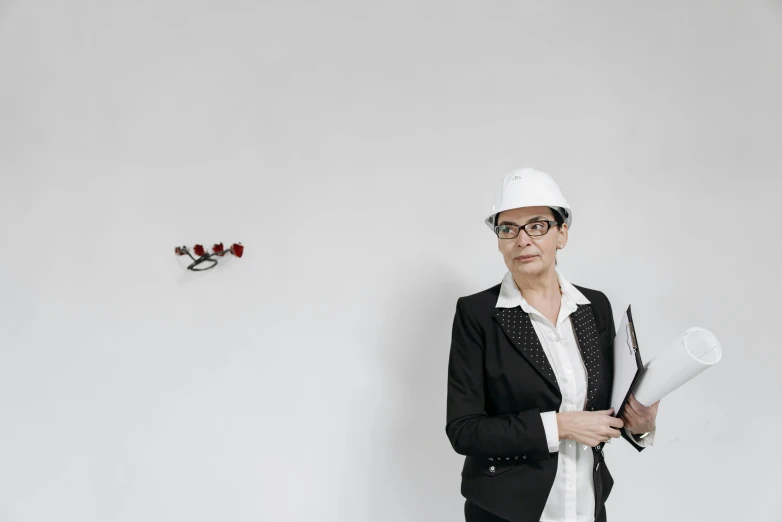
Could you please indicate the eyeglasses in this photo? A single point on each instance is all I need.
(533, 229)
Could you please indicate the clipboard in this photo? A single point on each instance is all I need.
(628, 365)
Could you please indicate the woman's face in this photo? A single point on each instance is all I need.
(542, 248)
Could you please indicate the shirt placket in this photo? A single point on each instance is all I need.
(569, 393)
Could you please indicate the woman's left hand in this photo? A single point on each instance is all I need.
(637, 417)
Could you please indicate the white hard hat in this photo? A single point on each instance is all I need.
(529, 188)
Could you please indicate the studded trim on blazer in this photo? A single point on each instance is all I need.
(518, 327)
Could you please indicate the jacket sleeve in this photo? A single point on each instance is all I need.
(610, 326)
(470, 431)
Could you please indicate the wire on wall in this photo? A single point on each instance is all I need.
(208, 259)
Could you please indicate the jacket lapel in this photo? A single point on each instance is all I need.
(517, 325)
(585, 326)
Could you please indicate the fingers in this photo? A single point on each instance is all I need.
(632, 421)
(631, 418)
(636, 418)
(617, 422)
(633, 405)
(608, 434)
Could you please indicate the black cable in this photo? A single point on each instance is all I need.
(202, 259)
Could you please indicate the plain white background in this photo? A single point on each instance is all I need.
(354, 148)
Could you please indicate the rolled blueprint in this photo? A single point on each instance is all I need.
(694, 351)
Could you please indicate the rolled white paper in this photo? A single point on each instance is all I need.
(694, 351)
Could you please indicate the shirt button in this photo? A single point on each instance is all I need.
(569, 371)
(570, 485)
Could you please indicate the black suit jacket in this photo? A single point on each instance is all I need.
(499, 381)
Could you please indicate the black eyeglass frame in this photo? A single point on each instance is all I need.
(550, 222)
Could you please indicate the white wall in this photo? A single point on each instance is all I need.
(354, 149)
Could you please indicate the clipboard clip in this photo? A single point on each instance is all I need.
(632, 343)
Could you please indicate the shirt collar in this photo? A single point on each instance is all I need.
(510, 296)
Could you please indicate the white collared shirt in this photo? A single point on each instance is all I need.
(572, 497)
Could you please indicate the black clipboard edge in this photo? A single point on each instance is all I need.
(641, 369)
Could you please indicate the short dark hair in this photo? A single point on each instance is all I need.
(557, 217)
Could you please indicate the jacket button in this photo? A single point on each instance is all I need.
(491, 458)
(507, 458)
(592, 408)
(524, 457)
(491, 469)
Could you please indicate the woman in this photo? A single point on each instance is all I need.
(530, 372)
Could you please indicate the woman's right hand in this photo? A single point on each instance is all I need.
(589, 427)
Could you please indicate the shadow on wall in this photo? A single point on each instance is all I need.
(419, 475)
